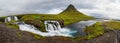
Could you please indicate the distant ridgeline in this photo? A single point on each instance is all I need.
(68, 16)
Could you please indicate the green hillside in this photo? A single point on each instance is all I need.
(70, 15)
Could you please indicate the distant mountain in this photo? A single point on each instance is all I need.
(71, 10)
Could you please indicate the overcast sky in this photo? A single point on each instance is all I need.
(97, 8)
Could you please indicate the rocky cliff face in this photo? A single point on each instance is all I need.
(36, 23)
(2, 19)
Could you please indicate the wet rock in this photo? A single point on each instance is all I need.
(2, 19)
(60, 21)
(36, 23)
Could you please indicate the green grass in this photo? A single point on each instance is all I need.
(94, 30)
(113, 24)
(14, 26)
(11, 25)
(1, 22)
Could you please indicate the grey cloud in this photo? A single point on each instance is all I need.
(108, 8)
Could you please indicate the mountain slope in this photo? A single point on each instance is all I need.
(71, 14)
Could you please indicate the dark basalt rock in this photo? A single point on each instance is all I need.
(20, 16)
(36, 23)
(2, 19)
(61, 22)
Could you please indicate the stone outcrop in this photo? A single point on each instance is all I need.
(2, 19)
(36, 23)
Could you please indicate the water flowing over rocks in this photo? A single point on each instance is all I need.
(53, 28)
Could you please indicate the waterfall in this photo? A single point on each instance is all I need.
(52, 31)
(52, 26)
(10, 18)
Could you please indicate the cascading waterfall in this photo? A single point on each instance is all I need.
(10, 18)
(53, 28)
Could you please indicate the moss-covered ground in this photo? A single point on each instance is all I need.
(112, 25)
(94, 30)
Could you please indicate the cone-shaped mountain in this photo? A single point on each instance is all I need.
(72, 11)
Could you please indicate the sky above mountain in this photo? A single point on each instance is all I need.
(96, 8)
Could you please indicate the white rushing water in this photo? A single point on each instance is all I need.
(31, 28)
(10, 18)
(52, 26)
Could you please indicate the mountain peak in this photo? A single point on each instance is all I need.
(70, 7)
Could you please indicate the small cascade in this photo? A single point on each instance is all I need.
(10, 18)
(52, 26)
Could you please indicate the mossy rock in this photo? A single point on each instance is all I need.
(94, 30)
(14, 26)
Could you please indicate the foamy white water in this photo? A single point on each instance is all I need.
(10, 18)
(30, 28)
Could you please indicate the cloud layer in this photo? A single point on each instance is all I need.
(96, 8)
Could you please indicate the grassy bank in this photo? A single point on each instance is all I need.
(112, 24)
(94, 30)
